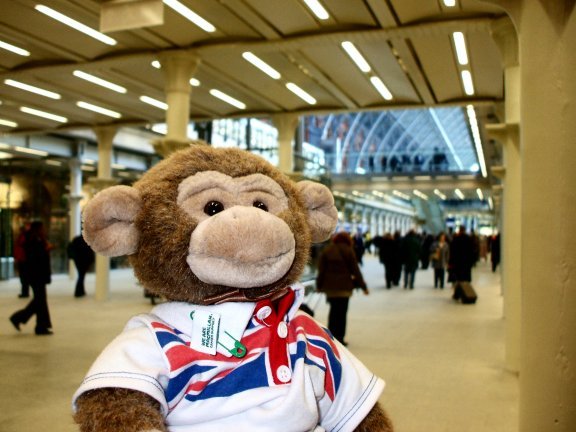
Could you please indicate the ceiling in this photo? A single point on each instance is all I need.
(408, 45)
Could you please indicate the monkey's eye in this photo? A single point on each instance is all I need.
(213, 207)
(260, 205)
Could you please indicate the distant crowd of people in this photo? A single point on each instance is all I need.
(406, 163)
(451, 255)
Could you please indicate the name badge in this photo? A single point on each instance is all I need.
(205, 327)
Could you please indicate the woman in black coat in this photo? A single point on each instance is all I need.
(461, 257)
(37, 251)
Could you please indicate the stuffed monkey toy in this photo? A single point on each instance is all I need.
(223, 236)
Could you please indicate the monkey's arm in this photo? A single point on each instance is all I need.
(375, 421)
(116, 409)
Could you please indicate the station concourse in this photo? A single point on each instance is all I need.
(442, 361)
(525, 319)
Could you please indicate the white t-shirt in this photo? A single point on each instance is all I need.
(240, 367)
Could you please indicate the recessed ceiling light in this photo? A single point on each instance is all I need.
(154, 102)
(317, 9)
(228, 99)
(459, 193)
(98, 109)
(44, 114)
(381, 87)
(32, 89)
(450, 3)
(401, 195)
(460, 45)
(76, 25)
(439, 194)
(262, 65)
(420, 194)
(467, 82)
(8, 123)
(99, 81)
(31, 151)
(194, 82)
(306, 97)
(190, 15)
(355, 55)
(156, 64)
(14, 49)
(476, 137)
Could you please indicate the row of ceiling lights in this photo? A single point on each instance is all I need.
(314, 6)
(416, 192)
(7, 152)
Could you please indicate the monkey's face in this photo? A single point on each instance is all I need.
(239, 232)
(241, 239)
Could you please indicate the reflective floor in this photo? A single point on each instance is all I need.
(443, 362)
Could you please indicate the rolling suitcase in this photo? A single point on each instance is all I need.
(464, 292)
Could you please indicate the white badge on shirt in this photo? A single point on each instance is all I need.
(205, 327)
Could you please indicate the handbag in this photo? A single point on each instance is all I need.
(356, 283)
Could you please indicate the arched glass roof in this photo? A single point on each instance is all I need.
(395, 141)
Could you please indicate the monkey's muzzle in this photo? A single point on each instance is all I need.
(242, 247)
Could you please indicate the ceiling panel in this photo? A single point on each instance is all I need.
(407, 43)
(437, 58)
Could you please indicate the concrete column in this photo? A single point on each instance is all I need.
(546, 35)
(74, 199)
(178, 67)
(105, 136)
(286, 125)
(511, 239)
(508, 135)
(387, 223)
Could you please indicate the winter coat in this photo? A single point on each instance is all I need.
(38, 260)
(411, 246)
(440, 255)
(337, 267)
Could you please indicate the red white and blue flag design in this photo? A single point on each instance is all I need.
(198, 376)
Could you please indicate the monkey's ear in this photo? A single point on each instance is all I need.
(108, 221)
(322, 214)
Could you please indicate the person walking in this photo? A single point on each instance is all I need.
(411, 246)
(359, 247)
(386, 248)
(396, 258)
(462, 257)
(37, 251)
(338, 275)
(495, 251)
(20, 259)
(83, 257)
(439, 256)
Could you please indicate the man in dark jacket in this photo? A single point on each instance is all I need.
(411, 247)
(462, 257)
(387, 253)
(83, 256)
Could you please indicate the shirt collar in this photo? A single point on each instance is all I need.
(234, 316)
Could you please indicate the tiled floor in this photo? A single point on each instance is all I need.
(443, 362)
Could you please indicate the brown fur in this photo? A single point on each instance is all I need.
(116, 409)
(375, 421)
(165, 228)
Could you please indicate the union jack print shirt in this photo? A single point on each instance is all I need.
(240, 367)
